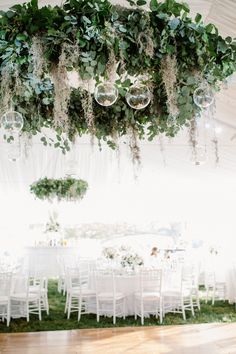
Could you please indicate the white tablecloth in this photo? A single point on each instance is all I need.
(230, 279)
(129, 284)
(45, 261)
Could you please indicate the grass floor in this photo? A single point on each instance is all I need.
(220, 312)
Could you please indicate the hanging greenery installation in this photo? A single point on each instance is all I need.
(162, 51)
(67, 189)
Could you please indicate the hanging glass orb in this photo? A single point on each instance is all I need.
(106, 94)
(14, 152)
(199, 156)
(12, 121)
(203, 96)
(138, 96)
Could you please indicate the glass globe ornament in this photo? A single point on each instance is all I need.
(203, 96)
(106, 94)
(138, 96)
(14, 152)
(12, 121)
(199, 156)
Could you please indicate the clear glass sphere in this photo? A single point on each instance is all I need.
(106, 94)
(13, 152)
(203, 96)
(138, 96)
(12, 121)
(199, 156)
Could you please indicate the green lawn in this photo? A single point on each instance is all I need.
(220, 312)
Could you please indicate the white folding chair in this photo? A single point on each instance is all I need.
(178, 298)
(150, 284)
(40, 286)
(78, 292)
(190, 278)
(214, 289)
(5, 303)
(29, 303)
(109, 301)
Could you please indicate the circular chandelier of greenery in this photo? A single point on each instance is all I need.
(52, 57)
(68, 189)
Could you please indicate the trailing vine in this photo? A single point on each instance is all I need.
(101, 41)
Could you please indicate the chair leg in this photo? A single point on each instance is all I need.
(183, 310)
(198, 301)
(135, 308)
(98, 316)
(207, 294)
(142, 315)
(160, 311)
(79, 310)
(59, 285)
(191, 304)
(69, 307)
(39, 307)
(27, 311)
(64, 290)
(124, 308)
(114, 312)
(66, 306)
(46, 304)
(8, 313)
(213, 296)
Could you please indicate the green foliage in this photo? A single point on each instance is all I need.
(63, 189)
(98, 28)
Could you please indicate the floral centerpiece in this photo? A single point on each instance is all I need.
(124, 256)
(52, 225)
(53, 230)
(110, 253)
(131, 260)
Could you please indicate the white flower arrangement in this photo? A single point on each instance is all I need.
(52, 225)
(110, 253)
(131, 260)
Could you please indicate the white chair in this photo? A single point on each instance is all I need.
(65, 263)
(5, 303)
(40, 286)
(214, 289)
(61, 285)
(108, 300)
(29, 303)
(190, 278)
(150, 284)
(78, 293)
(178, 298)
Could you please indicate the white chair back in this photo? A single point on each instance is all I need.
(20, 285)
(190, 276)
(77, 278)
(150, 280)
(105, 281)
(210, 279)
(5, 284)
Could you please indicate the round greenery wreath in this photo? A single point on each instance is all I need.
(69, 189)
(38, 46)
